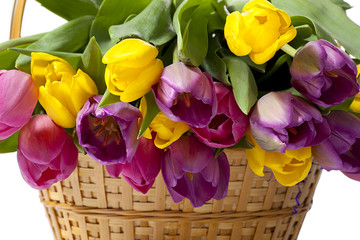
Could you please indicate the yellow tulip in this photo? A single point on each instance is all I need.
(62, 90)
(355, 105)
(260, 30)
(132, 68)
(289, 168)
(166, 131)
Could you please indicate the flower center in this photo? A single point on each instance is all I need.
(107, 129)
(185, 97)
(261, 19)
(217, 121)
(331, 74)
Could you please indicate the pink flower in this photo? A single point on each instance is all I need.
(18, 98)
(46, 152)
(143, 169)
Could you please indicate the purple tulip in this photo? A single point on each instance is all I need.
(108, 134)
(229, 124)
(341, 151)
(143, 169)
(281, 121)
(185, 94)
(324, 74)
(190, 170)
(46, 152)
(18, 97)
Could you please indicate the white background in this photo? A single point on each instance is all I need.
(334, 215)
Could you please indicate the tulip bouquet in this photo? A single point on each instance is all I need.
(149, 85)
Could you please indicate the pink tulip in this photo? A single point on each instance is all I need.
(18, 98)
(143, 169)
(46, 152)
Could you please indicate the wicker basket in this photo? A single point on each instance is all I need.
(91, 205)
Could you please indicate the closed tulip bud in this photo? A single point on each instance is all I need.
(132, 68)
(229, 124)
(108, 134)
(282, 121)
(46, 153)
(289, 168)
(341, 151)
(18, 98)
(144, 167)
(62, 90)
(324, 74)
(186, 94)
(191, 171)
(260, 30)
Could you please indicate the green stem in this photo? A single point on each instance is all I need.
(176, 55)
(289, 50)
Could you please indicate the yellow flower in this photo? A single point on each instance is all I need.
(62, 90)
(260, 30)
(355, 105)
(167, 131)
(289, 168)
(132, 68)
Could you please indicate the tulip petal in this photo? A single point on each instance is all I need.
(132, 53)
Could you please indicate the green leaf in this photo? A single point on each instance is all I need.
(91, 63)
(243, 143)
(108, 99)
(20, 41)
(279, 62)
(113, 12)
(191, 26)
(8, 58)
(70, 9)
(151, 111)
(341, 3)
(153, 25)
(236, 5)
(243, 83)
(10, 144)
(328, 16)
(213, 63)
(69, 37)
(72, 58)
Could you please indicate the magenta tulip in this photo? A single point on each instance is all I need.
(46, 153)
(229, 124)
(18, 98)
(143, 169)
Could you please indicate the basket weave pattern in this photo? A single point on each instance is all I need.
(92, 205)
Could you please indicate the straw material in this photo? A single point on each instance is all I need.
(92, 205)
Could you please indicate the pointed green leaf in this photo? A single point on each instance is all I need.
(72, 58)
(213, 63)
(341, 3)
(108, 99)
(243, 83)
(151, 111)
(191, 26)
(328, 16)
(8, 58)
(91, 63)
(20, 41)
(113, 12)
(70, 9)
(243, 143)
(235, 5)
(153, 25)
(10, 144)
(69, 37)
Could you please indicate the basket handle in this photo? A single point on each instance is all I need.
(16, 19)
